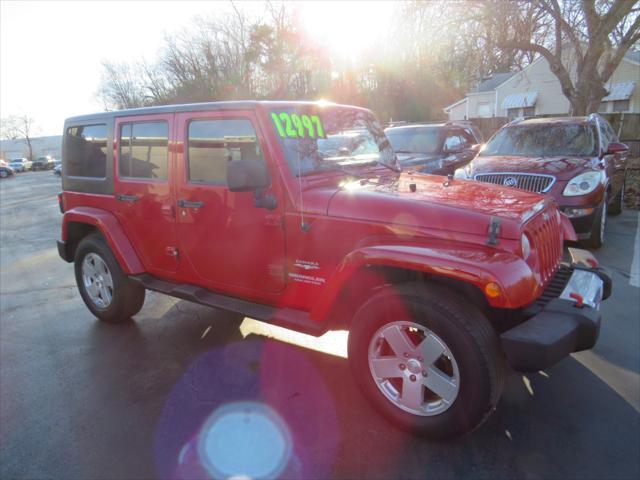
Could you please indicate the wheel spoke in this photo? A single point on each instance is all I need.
(398, 340)
(440, 384)
(105, 294)
(93, 290)
(107, 281)
(412, 395)
(88, 268)
(386, 367)
(430, 349)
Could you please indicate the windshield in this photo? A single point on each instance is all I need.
(543, 141)
(318, 139)
(424, 140)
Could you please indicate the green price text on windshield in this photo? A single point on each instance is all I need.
(298, 126)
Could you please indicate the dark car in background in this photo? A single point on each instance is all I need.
(43, 163)
(577, 160)
(6, 171)
(437, 148)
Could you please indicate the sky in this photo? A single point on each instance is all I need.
(51, 52)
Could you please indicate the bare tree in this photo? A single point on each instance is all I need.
(587, 40)
(19, 127)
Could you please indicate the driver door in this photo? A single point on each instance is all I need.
(224, 239)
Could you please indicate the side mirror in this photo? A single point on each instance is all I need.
(617, 148)
(247, 176)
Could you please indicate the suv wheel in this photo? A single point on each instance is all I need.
(617, 205)
(104, 287)
(426, 359)
(596, 237)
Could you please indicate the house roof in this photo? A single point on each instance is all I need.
(620, 91)
(492, 82)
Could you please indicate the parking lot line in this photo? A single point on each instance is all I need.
(634, 277)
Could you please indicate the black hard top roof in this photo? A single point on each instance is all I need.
(195, 107)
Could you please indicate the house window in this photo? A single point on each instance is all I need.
(513, 113)
(621, 105)
(603, 107)
(484, 110)
(529, 111)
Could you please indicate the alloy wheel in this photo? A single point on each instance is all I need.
(97, 280)
(414, 368)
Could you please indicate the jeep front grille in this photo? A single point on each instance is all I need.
(544, 232)
(525, 181)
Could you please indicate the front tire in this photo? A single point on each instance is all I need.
(426, 359)
(104, 287)
(617, 205)
(596, 237)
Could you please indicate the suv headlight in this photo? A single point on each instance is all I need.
(582, 184)
(525, 245)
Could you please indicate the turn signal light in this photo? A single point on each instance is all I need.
(492, 290)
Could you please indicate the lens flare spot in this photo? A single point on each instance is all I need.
(244, 440)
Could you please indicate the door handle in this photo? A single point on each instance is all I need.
(127, 198)
(190, 204)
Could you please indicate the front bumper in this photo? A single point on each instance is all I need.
(584, 223)
(568, 323)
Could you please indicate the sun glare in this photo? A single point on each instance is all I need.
(347, 28)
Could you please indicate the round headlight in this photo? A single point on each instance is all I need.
(525, 246)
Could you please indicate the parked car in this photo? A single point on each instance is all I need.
(26, 164)
(6, 171)
(297, 214)
(18, 166)
(43, 163)
(435, 148)
(577, 160)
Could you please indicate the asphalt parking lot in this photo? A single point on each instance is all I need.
(81, 400)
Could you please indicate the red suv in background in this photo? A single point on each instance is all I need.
(577, 160)
(296, 214)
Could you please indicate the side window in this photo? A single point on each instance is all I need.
(143, 150)
(604, 138)
(212, 144)
(86, 151)
(453, 141)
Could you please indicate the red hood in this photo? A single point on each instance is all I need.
(563, 168)
(463, 206)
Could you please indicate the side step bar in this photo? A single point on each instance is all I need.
(290, 318)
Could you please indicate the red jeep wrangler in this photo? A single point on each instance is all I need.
(297, 214)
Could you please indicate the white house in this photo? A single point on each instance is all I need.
(536, 91)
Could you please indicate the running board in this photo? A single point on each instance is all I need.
(290, 318)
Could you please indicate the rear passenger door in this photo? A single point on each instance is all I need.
(226, 241)
(144, 191)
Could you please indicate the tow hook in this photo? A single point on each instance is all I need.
(578, 298)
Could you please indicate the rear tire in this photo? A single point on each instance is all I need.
(104, 287)
(434, 345)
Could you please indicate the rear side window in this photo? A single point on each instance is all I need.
(86, 151)
(212, 144)
(143, 150)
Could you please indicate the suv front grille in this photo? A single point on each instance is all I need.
(525, 181)
(544, 233)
